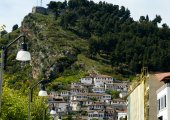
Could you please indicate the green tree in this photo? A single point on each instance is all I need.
(114, 94)
(157, 20)
(15, 27)
(2, 33)
(68, 118)
(15, 104)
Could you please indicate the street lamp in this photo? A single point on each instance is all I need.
(41, 93)
(53, 112)
(22, 55)
(59, 114)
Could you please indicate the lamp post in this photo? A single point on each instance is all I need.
(22, 55)
(59, 114)
(41, 93)
(53, 112)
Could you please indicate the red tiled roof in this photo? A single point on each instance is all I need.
(162, 76)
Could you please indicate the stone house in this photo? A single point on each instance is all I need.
(39, 9)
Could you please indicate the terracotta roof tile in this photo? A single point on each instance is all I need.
(162, 76)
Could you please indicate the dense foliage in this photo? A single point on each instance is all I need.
(17, 79)
(114, 35)
(114, 94)
(15, 106)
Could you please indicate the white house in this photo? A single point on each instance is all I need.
(96, 106)
(98, 114)
(106, 113)
(98, 89)
(163, 102)
(99, 80)
(62, 105)
(87, 80)
(121, 114)
(119, 101)
(78, 90)
(65, 93)
(85, 96)
(163, 98)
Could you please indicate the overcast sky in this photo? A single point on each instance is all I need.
(13, 11)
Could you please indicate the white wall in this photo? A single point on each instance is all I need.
(121, 115)
(86, 80)
(63, 106)
(98, 90)
(165, 112)
(101, 81)
(91, 115)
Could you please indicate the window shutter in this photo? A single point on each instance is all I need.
(165, 100)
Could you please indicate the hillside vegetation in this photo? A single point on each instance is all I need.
(113, 34)
(78, 38)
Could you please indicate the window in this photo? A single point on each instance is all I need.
(158, 104)
(165, 101)
(162, 103)
(160, 118)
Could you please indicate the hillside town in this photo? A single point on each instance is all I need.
(88, 99)
(93, 60)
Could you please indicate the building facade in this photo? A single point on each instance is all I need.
(163, 98)
(87, 96)
(87, 80)
(142, 99)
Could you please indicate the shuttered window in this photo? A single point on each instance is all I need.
(158, 104)
(162, 102)
(165, 101)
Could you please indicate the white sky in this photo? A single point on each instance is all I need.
(13, 11)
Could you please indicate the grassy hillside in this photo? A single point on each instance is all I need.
(112, 32)
(57, 54)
